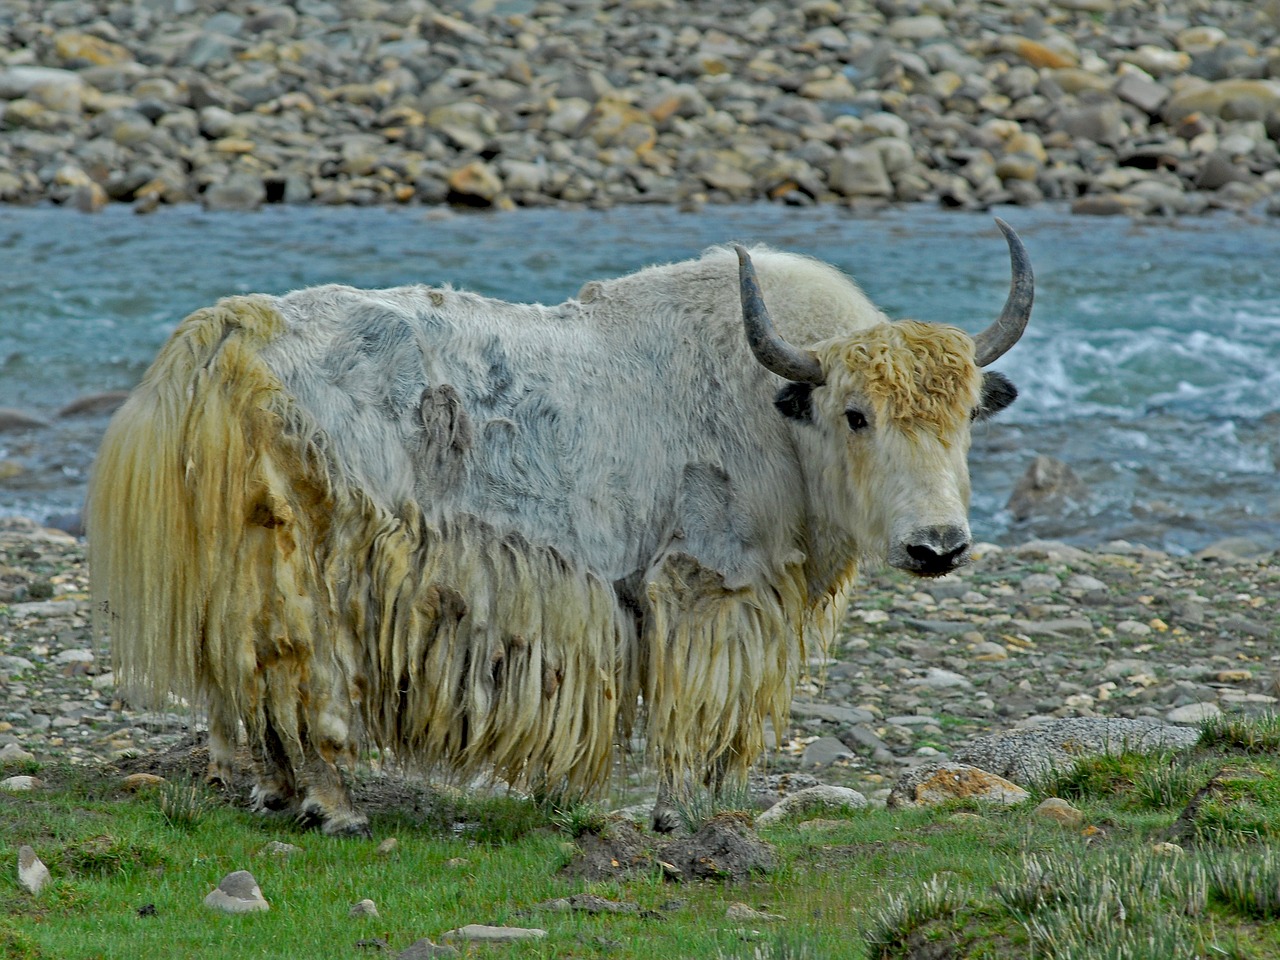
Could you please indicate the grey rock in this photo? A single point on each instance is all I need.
(483, 933)
(237, 893)
(424, 949)
(821, 797)
(859, 172)
(936, 678)
(241, 191)
(835, 713)
(1193, 713)
(20, 784)
(11, 419)
(1027, 754)
(33, 875)
(1143, 92)
(823, 752)
(13, 753)
(1047, 488)
(1233, 549)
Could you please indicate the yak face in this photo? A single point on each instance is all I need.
(887, 438)
(886, 415)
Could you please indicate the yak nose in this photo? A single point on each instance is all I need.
(932, 551)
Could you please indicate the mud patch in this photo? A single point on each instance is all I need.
(724, 848)
(382, 796)
(617, 851)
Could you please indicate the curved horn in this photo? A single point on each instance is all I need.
(771, 350)
(1004, 333)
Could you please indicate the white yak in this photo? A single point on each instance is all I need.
(497, 538)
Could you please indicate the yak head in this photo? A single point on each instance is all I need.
(884, 418)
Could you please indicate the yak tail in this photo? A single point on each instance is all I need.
(176, 494)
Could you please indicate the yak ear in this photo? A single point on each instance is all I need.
(795, 401)
(998, 392)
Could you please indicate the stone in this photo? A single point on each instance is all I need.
(937, 678)
(33, 875)
(1141, 91)
(742, 913)
(363, 908)
(475, 184)
(424, 949)
(20, 784)
(1037, 54)
(831, 712)
(936, 783)
(11, 752)
(1098, 122)
(1158, 61)
(823, 752)
(1108, 205)
(1193, 713)
(11, 419)
(1047, 488)
(923, 27)
(1059, 811)
(821, 797)
(483, 933)
(83, 49)
(1228, 99)
(859, 172)
(237, 893)
(240, 192)
(1024, 755)
(94, 404)
(278, 848)
(141, 781)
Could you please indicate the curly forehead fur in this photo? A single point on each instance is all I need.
(914, 374)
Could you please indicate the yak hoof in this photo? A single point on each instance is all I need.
(218, 775)
(665, 820)
(265, 798)
(342, 824)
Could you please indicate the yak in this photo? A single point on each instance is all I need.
(499, 539)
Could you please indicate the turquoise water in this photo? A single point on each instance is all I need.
(1152, 364)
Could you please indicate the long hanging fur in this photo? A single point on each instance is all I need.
(235, 566)
(292, 522)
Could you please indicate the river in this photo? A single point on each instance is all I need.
(1151, 365)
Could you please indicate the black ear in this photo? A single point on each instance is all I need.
(795, 401)
(998, 392)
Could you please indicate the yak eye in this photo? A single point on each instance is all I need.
(856, 420)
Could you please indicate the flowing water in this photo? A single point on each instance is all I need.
(1151, 366)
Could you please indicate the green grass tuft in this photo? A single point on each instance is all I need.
(185, 804)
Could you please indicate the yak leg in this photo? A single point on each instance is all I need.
(274, 787)
(720, 783)
(224, 730)
(666, 815)
(326, 802)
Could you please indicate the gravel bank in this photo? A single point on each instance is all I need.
(1116, 106)
(1037, 631)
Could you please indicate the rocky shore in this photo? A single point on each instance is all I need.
(1025, 634)
(1115, 106)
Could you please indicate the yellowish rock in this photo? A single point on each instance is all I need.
(73, 47)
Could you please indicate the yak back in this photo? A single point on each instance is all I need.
(619, 427)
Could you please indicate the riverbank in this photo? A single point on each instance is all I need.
(1032, 632)
(1117, 106)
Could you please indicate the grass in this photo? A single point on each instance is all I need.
(131, 871)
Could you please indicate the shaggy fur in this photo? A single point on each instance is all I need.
(481, 536)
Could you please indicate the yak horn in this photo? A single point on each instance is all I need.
(1004, 333)
(771, 350)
